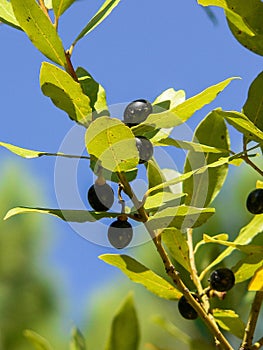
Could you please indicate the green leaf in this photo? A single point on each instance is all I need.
(60, 6)
(28, 153)
(253, 108)
(94, 91)
(37, 340)
(154, 173)
(77, 340)
(246, 267)
(65, 93)
(180, 217)
(176, 242)
(40, 30)
(162, 199)
(168, 99)
(230, 321)
(139, 273)
(234, 17)
(241, 123)
(190, 146)
(102, 13)
(125, 329)
(245, 236)
(182, 112)
(257, 281)
(48, 4)
(203, 188)
(64, 214)
(7, 14)
(251, 12)
(113, 144)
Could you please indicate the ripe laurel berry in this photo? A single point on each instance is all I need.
(145, 149)
(255, 201)
(100, 197)
(120, 233)
(186, 310)
(222, 279)
(136, 112)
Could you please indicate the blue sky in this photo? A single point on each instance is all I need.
(143, 48)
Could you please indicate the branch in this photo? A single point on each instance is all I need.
(258, 344)
(252, 321)
(245, 157)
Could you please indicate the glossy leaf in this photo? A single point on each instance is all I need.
(38, 342)
(7, 14)
(139, 273)
(180, 217)
(234, 17)
(154, 173)
(256, 283)
(247, 266)
(188, 145)
(125, 330)
(230, 321)
(182, 112)
(39, 29)
(245, 236)
(77, 340)
(252, 12)
(60, 6)
(160, 199)
(102, 13)
(203, 188)
(240, 122)
(64, 214)
(113, 144)
(94, 91)
(176, 242)
(168, 99)
(253, 108)
(28, 153)
(65, 93)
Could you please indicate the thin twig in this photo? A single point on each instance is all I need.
(70, 69)
(258, 344)
(245, 157)
(252, 321)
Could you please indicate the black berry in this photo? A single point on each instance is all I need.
(186, 310)
(145, 149)
(136, 112)
(222, 279)
(255, 201)
(120, 233)
(100, 197)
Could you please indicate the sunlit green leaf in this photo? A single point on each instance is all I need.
(168, 99)
(60, 6)
(203, 188)
(246, 234)
(247, 266)
(240, 122)
(251, 12)
(77, 341)
(94, 91)
(154, 173)
(160, 199)
(7, 14)
(139, 273)
(39, 30)
(182, 112)
(229, 321)
(176, 242)
(113, 144)
(125, 330)
(64, 214)
(65, 93)
(220, 236)
(180, 217)
(257, 281)
(234, 17)
(102, 13)
(37, 340)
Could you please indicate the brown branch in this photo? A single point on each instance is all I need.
(258, 344)
(70, 69)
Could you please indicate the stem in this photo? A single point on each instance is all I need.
(63, 155)
(247, 160)
(44, 9)
(170, 269)
(258, 344)
(70, 69)
(252, 321)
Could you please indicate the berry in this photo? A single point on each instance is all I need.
(136, 112)
(145, 149)
(255, 201)
(120, 233)
(100, 197)
(186, 310)
(222, 279)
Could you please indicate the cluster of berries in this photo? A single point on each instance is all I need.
(101, 195)
(221, 280)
